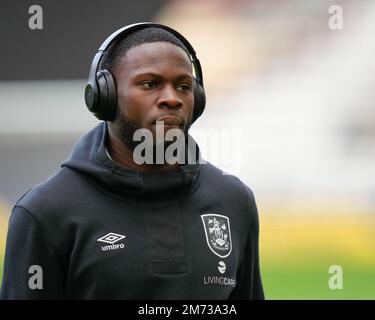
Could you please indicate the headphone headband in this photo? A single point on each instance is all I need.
(137, 26)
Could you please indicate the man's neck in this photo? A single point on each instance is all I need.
(121, 154)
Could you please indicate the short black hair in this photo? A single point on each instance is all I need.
(115, 55)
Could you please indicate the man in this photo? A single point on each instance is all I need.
(106, 225)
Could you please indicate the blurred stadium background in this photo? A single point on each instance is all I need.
(290, 100)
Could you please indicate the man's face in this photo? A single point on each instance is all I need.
(154, 84)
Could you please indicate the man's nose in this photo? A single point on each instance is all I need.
(169, 98)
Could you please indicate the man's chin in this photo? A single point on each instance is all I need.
(162, 135)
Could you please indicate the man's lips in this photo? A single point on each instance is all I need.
(171, 121)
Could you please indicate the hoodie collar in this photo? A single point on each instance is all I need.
(89, 157)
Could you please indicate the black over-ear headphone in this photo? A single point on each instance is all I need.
(100, 91)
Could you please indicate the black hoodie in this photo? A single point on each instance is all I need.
(96, 230)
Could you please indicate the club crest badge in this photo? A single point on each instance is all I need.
(217, 229)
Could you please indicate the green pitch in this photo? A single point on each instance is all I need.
(311, 282)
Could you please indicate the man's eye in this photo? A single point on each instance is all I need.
(184, 87)
(149, 84)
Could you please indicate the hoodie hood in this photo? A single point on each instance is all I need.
(89, 157)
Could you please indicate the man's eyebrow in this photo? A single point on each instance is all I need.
(160, 76)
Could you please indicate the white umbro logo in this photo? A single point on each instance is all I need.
(111, 238)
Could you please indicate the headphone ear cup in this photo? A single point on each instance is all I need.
(91, 96)
(107, 101)
(199, 100)
(111, 108)
(102, 96)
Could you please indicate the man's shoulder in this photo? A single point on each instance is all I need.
(222, 181)
(51, 195)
